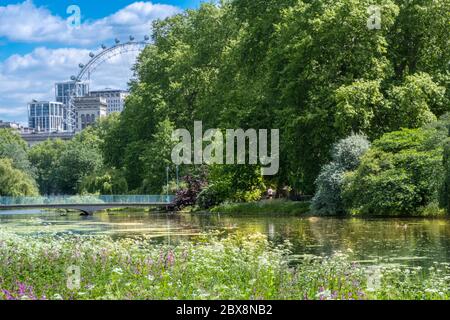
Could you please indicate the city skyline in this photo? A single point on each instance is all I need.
(38, 48)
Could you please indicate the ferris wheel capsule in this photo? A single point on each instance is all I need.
(117, 41)
(73, 78)
(81, 66)
(91, 54)
(146, 38)
(131, 38)
(103, 47)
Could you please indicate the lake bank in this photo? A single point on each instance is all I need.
(287, 207)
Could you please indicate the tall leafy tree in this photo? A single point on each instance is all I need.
(45, 157)
(80, 158)
(14, 182)
(13, 147)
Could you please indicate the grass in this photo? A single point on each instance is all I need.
(275, 206)
(233, 268)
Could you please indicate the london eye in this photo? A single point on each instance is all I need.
(96, 60)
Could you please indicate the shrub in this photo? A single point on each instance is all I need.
(187, 196)
(253, 194)
(236, 183)
(327, 199)
(346, 155)
(347, 152)
(213, 194)
(398, 176)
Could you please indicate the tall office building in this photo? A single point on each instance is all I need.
(63, 91)
(115, 99)
(88, 110)
(46, 116)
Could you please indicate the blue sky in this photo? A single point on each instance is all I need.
(37, 48)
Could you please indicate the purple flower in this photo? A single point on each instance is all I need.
(170, 258)
(149, 262)
(8, 295)
(334, 295)
(22, 290)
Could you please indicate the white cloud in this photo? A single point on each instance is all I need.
(26, 22)
(13, 111)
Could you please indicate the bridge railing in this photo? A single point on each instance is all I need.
(89, 199)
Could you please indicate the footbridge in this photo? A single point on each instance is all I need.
(87, 205)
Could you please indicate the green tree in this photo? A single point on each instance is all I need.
(110, 181)
(361, 107)
(418, 40)
(156, 158)
(14, 182)
(45, 157)
(12, 146)
(81, 157)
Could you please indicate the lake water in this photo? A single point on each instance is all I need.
(419, 242)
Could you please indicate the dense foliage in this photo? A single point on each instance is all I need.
(400, 175)
(312, 69)
(16, 172)
(106, 182)
(62, 166)
(346, 156)
(14, 182)
(444, 198)
(45, 158)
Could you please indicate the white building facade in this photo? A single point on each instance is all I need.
(46, 116)
(88, 110)
(115, 99)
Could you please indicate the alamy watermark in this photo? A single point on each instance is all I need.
(74, 20)
(374, 276)
(73, 277)
(235, 144)
(374, 20)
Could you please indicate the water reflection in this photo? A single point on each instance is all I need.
(406, 241)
